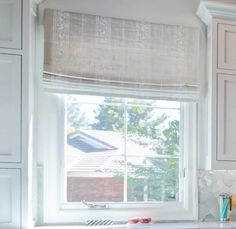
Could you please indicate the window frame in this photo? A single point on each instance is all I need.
(55, 210)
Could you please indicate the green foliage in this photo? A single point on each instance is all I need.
(156, 178)
(75, 118)
(109, 117)
(138, 117)
(159, 176)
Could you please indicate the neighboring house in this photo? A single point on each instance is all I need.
(94, 164)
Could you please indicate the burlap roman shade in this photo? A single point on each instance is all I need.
(91, 54)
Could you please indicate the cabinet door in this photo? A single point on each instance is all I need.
(226, 128)
(10, 104)
(227, 46)
(10, 24)
(10, 199)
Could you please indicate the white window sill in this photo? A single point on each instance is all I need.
(205, 225)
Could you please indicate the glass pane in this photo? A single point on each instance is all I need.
(154, 103)
(152, 131)
(96, 179)
(153, 179)
(95, 171)
(153, 151)
(101, 130)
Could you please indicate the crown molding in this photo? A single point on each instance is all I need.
(208, 10)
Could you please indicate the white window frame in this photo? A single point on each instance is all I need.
(53, 210)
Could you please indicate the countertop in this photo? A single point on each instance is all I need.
(195, 225)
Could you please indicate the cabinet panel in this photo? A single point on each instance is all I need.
(227, 46)
(10, 103)
(226, 118)
(10, 26)
(10, 198)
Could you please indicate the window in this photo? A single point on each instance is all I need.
(125, 157)
(122, 150)
(114, 157)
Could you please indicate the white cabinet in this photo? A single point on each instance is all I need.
(225, 91)
(227, 46)
(10, 199)
(15, 118)
(10, 23)
(226, 121)
(10, 105)
(220, 95)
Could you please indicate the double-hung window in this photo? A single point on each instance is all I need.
(118, 128)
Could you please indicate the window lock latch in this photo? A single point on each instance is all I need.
(95, 206)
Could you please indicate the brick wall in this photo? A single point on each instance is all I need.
(96, 189)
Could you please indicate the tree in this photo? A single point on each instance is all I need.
(156, 178)
(75, 117)
(109, 116)
(160, 175)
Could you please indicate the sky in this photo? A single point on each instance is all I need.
(90, 103)
(99, 99)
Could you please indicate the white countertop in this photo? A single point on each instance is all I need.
(204, 225)
(196, 225)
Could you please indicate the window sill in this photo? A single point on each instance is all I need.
(197, 225)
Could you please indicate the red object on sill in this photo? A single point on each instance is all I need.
(142, 220)
(145, 220)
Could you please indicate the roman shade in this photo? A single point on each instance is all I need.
(90, 54)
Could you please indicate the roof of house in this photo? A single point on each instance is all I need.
(103, 151)
(88, 143)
